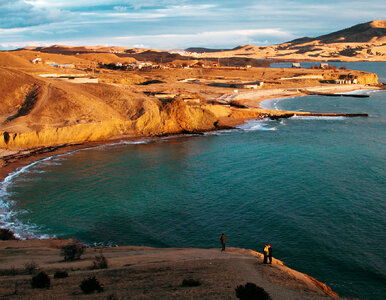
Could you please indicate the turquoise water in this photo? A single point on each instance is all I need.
(314, 188)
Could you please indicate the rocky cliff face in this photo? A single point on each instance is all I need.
(175, 117)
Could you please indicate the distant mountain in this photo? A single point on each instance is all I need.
(362, 42)
(205, 50)
(361, 33)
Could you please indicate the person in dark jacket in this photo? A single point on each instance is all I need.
(223, 239)
(269, 254)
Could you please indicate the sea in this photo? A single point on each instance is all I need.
(312, 187)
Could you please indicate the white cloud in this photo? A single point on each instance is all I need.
(209, 38)
(20, 13)
(136, 15)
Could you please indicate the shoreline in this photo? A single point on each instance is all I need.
(11, 160)
(248, 98)
(31, 157)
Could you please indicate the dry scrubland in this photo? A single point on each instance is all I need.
(149, 273)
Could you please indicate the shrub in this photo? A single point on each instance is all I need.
(31, 267)
(9, 272)
(190, 282)
(251, 292)
(112, 297)
(90, 285)
(6, 234)
(60, 274)
(41, 281)
(73, 251)
(100, 262)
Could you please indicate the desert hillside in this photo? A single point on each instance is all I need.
(365, 41)
(52, 99)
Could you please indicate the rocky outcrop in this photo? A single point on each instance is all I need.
(173, 117)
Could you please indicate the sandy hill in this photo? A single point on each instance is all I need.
(106, 58)
(21, 59)
(370, 32)
(72, 50)
(365, 41)
(38, 111)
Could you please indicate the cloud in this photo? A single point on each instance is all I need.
(178, 23)
(227, 38)
(123, 15)
(19, 13)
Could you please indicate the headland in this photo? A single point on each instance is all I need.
(149, 273)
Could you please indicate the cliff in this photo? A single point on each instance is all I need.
(37, 111)
(151, 273)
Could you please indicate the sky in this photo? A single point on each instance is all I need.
(176, 24)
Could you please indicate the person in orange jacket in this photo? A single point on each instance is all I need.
(265, 252)
(269, 254)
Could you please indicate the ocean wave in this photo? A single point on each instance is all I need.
(258, 124)
(273, 103)
(363, 92)
(221, 132)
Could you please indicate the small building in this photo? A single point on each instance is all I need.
(36, 61)
(67, 66)
(251, 86)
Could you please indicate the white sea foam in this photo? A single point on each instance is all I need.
(221, 132)
(9, 217)
(258, 124)
(361, 92)
(273, 103)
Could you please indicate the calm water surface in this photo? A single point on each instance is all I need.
(312, 187)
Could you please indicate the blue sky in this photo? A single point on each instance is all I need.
(171, 24)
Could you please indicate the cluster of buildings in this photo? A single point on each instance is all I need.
(38, 61)
(343, 79)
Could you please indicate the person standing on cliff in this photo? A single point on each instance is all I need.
(265, 252)
(223, 239)
(269, 254)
